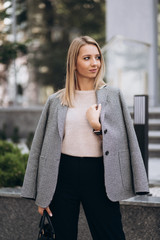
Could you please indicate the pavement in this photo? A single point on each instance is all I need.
(154, 176)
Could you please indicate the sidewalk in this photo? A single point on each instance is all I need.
(154, 176)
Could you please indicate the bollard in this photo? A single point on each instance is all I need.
(141, 125)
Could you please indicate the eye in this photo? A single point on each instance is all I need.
(86, 58)
(98, 57)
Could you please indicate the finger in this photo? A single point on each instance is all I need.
(49, 211)
(99, 107)
(40, 210)
(94, 106)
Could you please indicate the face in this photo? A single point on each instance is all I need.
(88, 62)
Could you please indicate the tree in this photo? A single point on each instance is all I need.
(61, 21)
(10, 48)
(48, 26)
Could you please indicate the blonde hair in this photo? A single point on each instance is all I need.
(67, 94)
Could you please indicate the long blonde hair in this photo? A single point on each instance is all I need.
(67, 94)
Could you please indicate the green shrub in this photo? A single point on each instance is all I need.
(12, 165)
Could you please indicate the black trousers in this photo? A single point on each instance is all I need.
(81, 180)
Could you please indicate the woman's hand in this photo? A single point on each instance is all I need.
(40, 210)
(93, 114)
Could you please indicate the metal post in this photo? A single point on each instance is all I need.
(141, 125)
(14, 32)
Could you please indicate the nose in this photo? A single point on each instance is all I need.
(94, 62)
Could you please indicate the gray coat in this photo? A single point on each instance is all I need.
(125, 174)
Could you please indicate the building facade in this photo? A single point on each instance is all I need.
(137, 21)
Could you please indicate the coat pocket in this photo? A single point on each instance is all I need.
(125, 168)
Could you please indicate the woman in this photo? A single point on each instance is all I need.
(85, 150)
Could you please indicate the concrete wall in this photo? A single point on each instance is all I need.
(25, 119)
(19, 218)
(137, 20)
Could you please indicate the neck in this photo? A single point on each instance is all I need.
(85, 84)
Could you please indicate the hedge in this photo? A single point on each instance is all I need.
(12, 165)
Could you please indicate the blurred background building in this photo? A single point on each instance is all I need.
(45, 28)
(35, 35)
(134, 57)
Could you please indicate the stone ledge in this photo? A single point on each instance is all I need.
(140, 217)
(146, 201)
(10, 192)
(21, 109)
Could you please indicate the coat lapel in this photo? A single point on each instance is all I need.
(101, 95)
(62, 111)
(102, 98)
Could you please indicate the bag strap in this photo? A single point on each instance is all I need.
(45, 213)
(42, 222)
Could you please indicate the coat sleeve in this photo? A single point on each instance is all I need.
(139, 173)
(29, 188)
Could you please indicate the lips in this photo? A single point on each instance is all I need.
(93, 70)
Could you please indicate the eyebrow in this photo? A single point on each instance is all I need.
(90, 55)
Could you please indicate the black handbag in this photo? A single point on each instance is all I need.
(46, 230)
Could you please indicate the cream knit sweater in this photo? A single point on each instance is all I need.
(79, 139)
